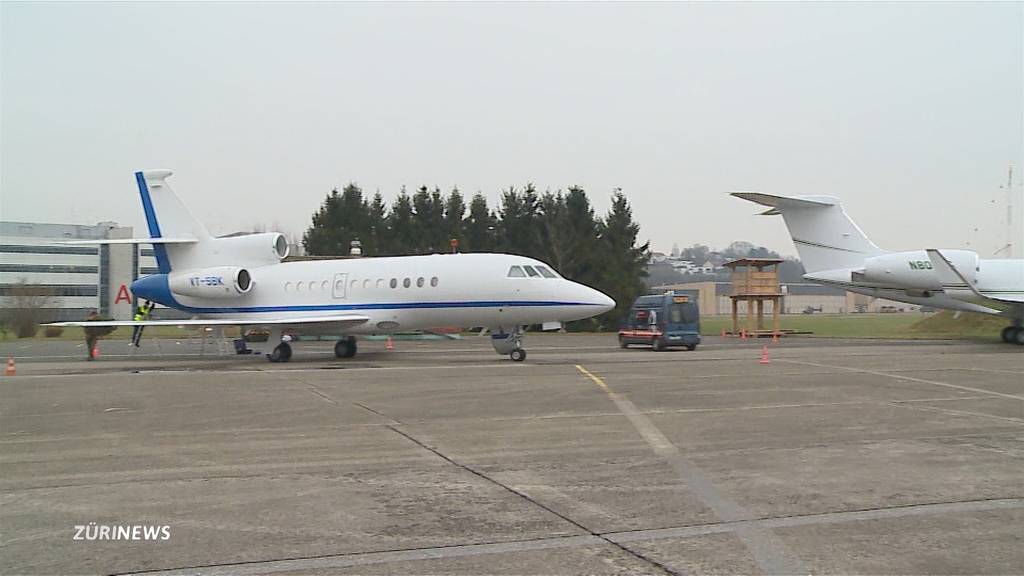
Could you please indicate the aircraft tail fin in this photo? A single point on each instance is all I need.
(825, 237)
(166, 216)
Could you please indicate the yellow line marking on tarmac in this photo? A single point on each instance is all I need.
(770, 554)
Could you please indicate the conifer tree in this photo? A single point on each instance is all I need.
(480, 226)
(454, 210)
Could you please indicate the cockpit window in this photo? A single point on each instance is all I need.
(516, 272)
(529, 270)
(545, 272)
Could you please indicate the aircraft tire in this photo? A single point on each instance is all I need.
(1009, 334)
(518, 355)
(345, 348)
(1018, 337)
(282, 353)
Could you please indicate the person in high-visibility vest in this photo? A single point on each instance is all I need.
(141, 314)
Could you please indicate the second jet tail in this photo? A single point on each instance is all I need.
(825, 237)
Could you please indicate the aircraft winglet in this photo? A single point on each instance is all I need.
(948, 275)
(952, 279)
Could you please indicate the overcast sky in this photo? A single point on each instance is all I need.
(910, 113)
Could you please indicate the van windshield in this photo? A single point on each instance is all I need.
(682, 313)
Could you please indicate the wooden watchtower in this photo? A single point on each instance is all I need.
(754, 281)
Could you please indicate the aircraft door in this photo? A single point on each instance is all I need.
(338, 291)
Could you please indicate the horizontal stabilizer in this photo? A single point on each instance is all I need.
(133, 241)
(350, 319)
(777, 202)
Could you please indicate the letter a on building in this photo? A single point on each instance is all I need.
(122, 294)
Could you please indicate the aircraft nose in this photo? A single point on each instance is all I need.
(604, 301)
(598, 301)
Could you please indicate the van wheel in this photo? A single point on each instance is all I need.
(691, 347)
(623, 343)
(659, 344)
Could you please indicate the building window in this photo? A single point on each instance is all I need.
(50, 268)
(19, 249)
(105, 279)
(49, 289)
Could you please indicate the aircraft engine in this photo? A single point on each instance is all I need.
(254, 249)
(216, 282)
(914, 269)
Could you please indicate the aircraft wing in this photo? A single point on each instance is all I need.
(341, 321)
(953, 281)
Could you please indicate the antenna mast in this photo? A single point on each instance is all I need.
(1011, 247)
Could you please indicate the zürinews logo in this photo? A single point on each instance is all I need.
(127, 532)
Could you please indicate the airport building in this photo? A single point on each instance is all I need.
(66, 281)
(797, 298)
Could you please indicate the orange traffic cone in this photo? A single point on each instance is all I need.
(764, 356)
(10, 370)
(723, 332)
(390, 345)
(96, 350)
(743, 334)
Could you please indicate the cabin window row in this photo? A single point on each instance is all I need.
(407, 282)
(367, 283)
(530, 272)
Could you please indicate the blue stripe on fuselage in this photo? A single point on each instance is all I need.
(155, 288)
(163, 263)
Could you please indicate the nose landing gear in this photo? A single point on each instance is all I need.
(509, 343)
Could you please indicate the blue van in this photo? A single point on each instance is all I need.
(663, 320)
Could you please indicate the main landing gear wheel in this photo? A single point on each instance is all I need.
(1018, 337)
(282, 353)
(1013, 335)
(345, 348)
(518, 355)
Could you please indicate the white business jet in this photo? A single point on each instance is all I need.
(242, 281)
(835, 251)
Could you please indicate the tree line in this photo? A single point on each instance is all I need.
(559, 228)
